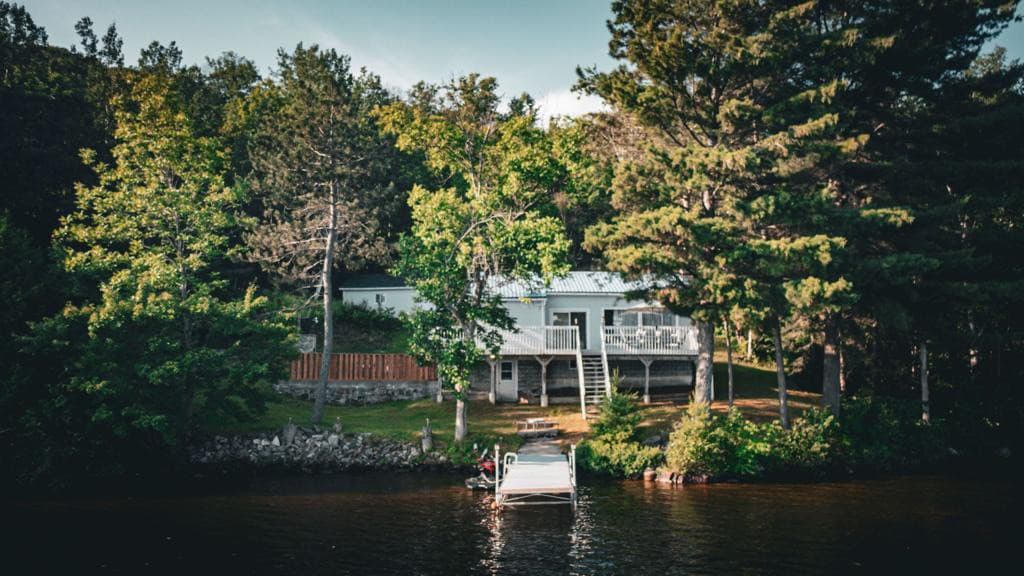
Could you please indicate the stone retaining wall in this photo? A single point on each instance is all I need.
(359, 393)
(312, 451)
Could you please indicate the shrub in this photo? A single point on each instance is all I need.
(718, 446)
(730, 446)
(809, 446)
(873, 433)
(887, 434)
(614, 449)
(624, 459)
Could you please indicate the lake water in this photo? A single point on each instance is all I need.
(428, 524)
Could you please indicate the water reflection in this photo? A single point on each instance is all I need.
(428, 524)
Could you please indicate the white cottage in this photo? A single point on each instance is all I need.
(570, 338)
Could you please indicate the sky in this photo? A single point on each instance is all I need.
(528, 45)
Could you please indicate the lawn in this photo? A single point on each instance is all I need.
(756, 396)
(403, 420)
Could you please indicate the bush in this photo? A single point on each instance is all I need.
(809, 446)
(622, 459)
(879, 434)
(887, 434)
(614, 449)
(717, 446)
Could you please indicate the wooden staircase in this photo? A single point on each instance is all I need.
(594, 383)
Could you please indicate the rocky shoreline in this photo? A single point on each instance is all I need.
(313, 451)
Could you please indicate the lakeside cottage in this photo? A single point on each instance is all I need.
(570, 338)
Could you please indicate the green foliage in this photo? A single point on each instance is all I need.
(811, 444)
(613, 448)
(368, 330)
(619, 459)
(320, 169)
(489, 224)
(166, 345)
(887, 434)
(703, 444)
(619, 416)
(871, 435)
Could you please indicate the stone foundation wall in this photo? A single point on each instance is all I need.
(361, 392)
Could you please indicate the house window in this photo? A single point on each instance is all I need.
(658, 319)
(631, 318)
(506, 370)
(381, 299)
(621, 318)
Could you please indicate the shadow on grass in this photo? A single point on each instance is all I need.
(755, 390)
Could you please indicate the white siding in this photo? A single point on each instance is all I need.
(526, 312)
(533, 312)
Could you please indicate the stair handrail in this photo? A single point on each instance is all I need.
(579, 372)
(604, 366)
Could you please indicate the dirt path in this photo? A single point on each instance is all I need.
(541, 446)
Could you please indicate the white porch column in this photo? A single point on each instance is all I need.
(492, 396)
(543, 361)
(647, 361)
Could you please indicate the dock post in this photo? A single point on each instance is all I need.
(497, 474)
(572, 456)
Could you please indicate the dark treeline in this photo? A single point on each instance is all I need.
(836, 187)
(149, 209)
(839, 183)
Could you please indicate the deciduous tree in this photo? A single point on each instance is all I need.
(493, 222)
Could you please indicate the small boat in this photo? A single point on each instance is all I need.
(480, 483)
(485, 479)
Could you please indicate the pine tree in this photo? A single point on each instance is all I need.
(318, 175)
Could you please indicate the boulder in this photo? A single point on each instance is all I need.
(665, 477)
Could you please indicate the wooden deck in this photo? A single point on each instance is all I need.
(539, 478)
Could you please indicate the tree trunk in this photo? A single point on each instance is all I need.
(461, 404)
(493, 393)
(188, 401)
(327, 283)
(780, 372)
(926, 411)
(728, 358)
(705, 362)
(830, 365)
(842, 365)
(461, 415)
(750, 344)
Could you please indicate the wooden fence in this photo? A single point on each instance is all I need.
(362, 367)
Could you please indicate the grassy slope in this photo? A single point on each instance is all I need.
(403, 420)
(756, 396)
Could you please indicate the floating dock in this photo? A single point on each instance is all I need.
(535, 478)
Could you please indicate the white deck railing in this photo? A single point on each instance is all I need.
(541, 340)
(650, 340)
